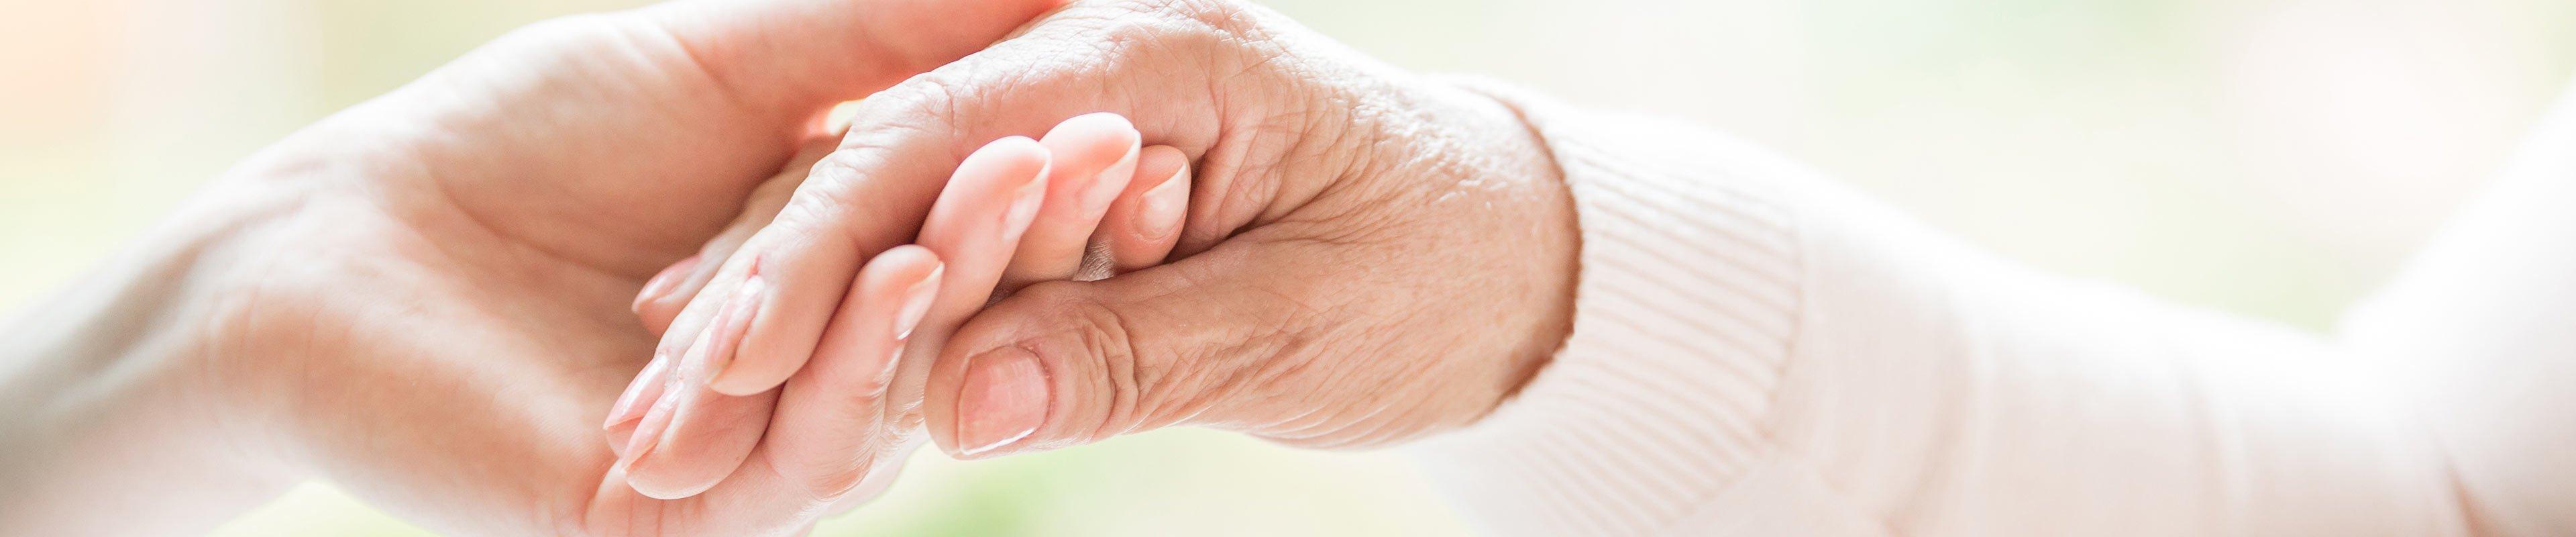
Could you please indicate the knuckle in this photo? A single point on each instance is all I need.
(1113, 27)
(813, 215)
(1125, 375)
(552, 32)
(1223, 15)
(830, 482)
(828, 188)
(866, 390)
(927, 102)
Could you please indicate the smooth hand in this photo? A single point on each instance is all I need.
(436, 317)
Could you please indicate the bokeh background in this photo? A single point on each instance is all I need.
(2275, 158)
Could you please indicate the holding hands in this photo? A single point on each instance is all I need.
(1226, 221)
(613, 275)
(1315, 162)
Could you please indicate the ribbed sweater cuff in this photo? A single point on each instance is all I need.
(1685, 306)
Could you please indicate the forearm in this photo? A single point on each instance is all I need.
(1757, 350)
(2481, 329)
(116, 426)
(1954, 394)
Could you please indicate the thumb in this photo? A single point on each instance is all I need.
(798, 54)
(1067, 363)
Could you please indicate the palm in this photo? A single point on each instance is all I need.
(455, 280)
(507, 242)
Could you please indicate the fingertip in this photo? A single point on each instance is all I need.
(1013, 152)
(651, 475)
(1164, 175)
(1096, 128)
(899, 269)
(655, 304)
(1094, 156)
(1011, 170)
(664, 282)
(905, 279)
(1002, 400)
(904, 263)
(738, 373)
(1144, 224)
(1160, 162)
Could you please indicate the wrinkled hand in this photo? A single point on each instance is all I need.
(440, 319)
(1369, 256)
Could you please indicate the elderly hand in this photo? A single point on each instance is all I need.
(1369, 255)
(424, 298)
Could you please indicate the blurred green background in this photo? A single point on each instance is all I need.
(2271, 157)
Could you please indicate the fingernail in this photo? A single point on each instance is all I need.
(1024, 205)
(1003, 401)
(1103, 189)
(657, 420)
(916, 302)
(648, 432)
(632, 404)
(663, 282)
(730, 324)
(1161, 214)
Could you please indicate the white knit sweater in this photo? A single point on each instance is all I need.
(1758, 351)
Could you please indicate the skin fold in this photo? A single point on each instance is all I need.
(680, 432)
(432, 299)
(1311, 297)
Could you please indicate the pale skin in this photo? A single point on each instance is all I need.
(432, 299)
(1088, 183)
(425, 298)
(1315, 297)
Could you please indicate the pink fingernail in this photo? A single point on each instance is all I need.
(646, 388)
(1161, 214)
(663, 282)
(916, 302)
(1004, 400)
(655, 424)
(1024, 205)
(731, 323)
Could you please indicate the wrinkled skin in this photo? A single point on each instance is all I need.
(1373, 256)
(425, 298)
(1318, 296)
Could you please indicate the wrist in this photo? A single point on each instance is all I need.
(115, 379)
(1545, 251)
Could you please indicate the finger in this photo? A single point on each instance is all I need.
(1095, 155)
(1145, 221)
(888, 469)
(648, 306)
(830, 420)
(692, 437)
(1065, 363)
(755, 503)
(780, 289)
(639, 397)
(987, 204)
(660, 301)
(807, 54)
(758, 501)
(1056, 71)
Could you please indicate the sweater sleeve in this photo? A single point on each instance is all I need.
(1757, 351)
